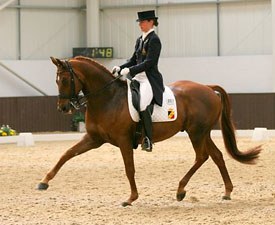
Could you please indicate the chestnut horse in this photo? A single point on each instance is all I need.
(108, 120)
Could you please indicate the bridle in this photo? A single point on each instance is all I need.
(76, 100)
(73, 96)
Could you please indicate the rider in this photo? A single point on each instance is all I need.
(143, 67)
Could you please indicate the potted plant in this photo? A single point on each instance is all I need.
(78, 121)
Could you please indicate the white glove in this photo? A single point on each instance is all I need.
(124, 72)
(115, 69)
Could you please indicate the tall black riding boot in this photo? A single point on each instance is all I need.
(147, 124)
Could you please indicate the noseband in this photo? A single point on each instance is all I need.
(76, 100)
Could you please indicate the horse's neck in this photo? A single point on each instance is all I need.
(102, 88)
(96, 80)
(106, 102)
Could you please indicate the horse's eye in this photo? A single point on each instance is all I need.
(64, 81)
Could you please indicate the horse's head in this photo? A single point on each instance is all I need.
(69, 85)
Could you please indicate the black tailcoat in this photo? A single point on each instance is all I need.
(145, 59)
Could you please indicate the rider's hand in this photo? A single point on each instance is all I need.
(124, 72)
(115, 69)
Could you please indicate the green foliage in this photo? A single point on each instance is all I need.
(7, 131)
(77, 117)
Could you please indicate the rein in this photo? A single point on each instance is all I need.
(76, 100)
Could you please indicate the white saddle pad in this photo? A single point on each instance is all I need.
(167, 112)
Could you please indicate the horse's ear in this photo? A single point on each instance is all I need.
(57, 61)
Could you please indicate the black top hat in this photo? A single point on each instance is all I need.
(146, 15)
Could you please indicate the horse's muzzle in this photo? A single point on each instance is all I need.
(64, 108)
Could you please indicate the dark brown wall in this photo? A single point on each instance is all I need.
(33, 114)
(39, 114)
(253, 110)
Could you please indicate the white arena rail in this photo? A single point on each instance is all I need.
(75, 136)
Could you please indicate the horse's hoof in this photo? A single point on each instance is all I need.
(181, 196)
(226, 197)
(124, 204)
(42, 186)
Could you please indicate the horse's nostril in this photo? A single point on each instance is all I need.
(63, 108)
(59, 109)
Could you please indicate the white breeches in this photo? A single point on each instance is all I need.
(146, 92)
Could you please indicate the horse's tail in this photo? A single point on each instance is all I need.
(228, 132)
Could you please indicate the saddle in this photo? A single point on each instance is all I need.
(165, 113)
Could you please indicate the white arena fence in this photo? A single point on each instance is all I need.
(258, 134)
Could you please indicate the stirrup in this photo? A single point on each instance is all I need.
(146, 145)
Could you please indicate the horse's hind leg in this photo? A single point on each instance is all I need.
(201, 157)
(84, 145)
(217, 157)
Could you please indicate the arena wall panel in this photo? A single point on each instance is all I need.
(253, 110)
(33, 114)
(39, 114)
(236, 74)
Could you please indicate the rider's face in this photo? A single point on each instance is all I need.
(146, 25)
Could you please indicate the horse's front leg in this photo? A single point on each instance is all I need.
(84, 145)
(128, 158)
